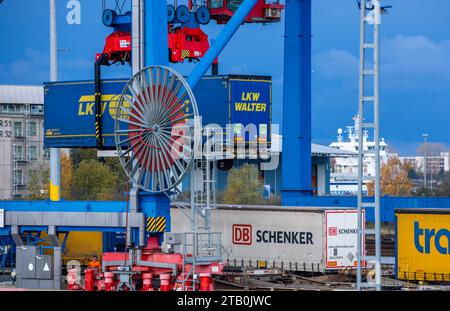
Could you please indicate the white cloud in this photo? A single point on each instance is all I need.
(416, 63)
(336, 64)
(413, 63)
(33, 68)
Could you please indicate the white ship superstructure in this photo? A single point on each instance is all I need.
(344, 170)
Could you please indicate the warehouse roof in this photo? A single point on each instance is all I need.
(316, 149)
(21, 94)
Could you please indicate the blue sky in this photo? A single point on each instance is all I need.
(415, 61)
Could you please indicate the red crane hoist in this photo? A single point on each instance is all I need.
(264, 11)
(187, 43)
(184, 43)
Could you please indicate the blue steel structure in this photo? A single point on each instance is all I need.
(151, 206)
(296, 176)
(155, 33)
(296, 161)
(155, 53)
(220, 42)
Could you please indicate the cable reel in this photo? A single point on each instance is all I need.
(154, 128)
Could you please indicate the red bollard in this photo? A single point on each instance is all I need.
(109, 281)
(89, 279)
(165, 282)
(147, 279)
(72, 282)
(205, 282)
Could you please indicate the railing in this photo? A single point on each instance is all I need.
(203, 245)
(199, 248)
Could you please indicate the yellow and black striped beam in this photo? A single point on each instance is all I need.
(185, 54)
(156, 224)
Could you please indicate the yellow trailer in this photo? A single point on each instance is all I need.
(423, 244)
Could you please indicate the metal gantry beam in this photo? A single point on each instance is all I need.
(155, 33)
(221, 41)
(370, 14)
(296, 158)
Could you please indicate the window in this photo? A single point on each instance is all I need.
(18, 153)
(37, 109)
(18, 177)
(33, 153)
(216, 4)
(46, 154)
(33, 128)
(233, 5)
(18, 130)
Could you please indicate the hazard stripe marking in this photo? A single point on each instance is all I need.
(156, 224)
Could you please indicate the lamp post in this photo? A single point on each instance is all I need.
(55, 160)
(425, 136)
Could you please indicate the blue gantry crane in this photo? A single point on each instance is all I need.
(150, 175)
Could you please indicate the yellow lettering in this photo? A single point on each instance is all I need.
(89, 109)
(257, 107)
(80, 110)
(256, 96)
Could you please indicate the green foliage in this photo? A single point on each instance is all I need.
(38, 183)
(110, 165)
(116, 167)
(93, 180)
(412, 173)
(443, 188)
(244, 186)
(78, 155)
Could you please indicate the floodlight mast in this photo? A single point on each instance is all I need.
(370, 19)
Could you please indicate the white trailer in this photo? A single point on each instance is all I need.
(291, 238)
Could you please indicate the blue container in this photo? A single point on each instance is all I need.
(69, 115)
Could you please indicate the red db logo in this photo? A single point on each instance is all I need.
(242, 234)
(332, 231)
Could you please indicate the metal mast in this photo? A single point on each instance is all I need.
(55, 161)
(368, 109)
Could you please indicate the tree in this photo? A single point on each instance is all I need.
(113, 163)
(93, 180)
(78, 155)
(394, 179)
(244, 186)
(443, 188)
(66, 177)
(38, 181)
(122, 178)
